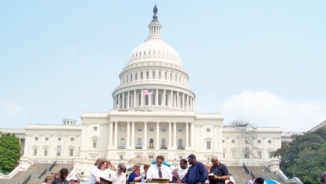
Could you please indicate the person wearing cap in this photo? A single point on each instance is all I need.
(218, 172)
(197, 173)
(323, 177)
(74, 180)
(159, 170)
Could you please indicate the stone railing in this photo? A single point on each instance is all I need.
(286, 179)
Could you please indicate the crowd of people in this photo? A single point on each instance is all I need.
(103, 172)
(60, 178)
(197, 173)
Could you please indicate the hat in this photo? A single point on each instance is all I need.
(191, 156)
(73, 178)
(323, 176)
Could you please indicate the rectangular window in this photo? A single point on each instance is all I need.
(95, 128)
(171, 76)
(35, 151)
(180, 157)
(123, 129)
(208, 130)
(59, 139)
(121, 157)
(72, 139)
(233, 141)
(259, 154)
(147, 75)
(179, 129)
(153, 98)
(94, 143)
(71, 152)
(166, 75)
(259, 141)
(45, 152)
(208, 146)
(269, 141)
(141, 75)
(139, 99)
(159, 74)
(46, 138)
(139, 129)
(175, 77)
(127, 78)
(153, 75)
(36, 138)
(136, 74)
(223, 141)
(130, 77)
(151, 129)
(163, 129)
(166, 100)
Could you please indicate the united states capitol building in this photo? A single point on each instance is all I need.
(152, 114)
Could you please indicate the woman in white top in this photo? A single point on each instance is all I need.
(119, 177)
(100, 172)
(48, 180)
(93, 171)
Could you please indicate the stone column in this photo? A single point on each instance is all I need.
(123, 101)
(178, 100)
(183, 101)
(128, 135)
(135, 97)
(145, 135)
(187, 136)
(116, 135)
(175, 135)
(141, 98)
(128, 99)
(150, 98)
(157, 146)
(171, 99)
(170, 136)
(119, 101)
(156, 98)
(163, 99)
(111, 133)
(133, 135)
(192, 135)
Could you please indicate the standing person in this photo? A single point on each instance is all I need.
(197, 173)
(119, 176)
(74, 180)
(135, 176)
(218, 173)
(144, 179)
(183, 168)
(159, 170)
(48, 180)
(62, 177)
(102, 173)
(94, 171)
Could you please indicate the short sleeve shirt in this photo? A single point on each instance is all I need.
(219, 170)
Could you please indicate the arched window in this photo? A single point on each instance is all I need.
(139, 142)
(180, 144)
(58, 150)
(122, 142)
(163, 143)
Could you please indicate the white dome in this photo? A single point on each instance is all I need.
(154, 49)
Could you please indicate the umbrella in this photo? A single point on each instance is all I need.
(164, 163)
(140, 161)
(268, 181)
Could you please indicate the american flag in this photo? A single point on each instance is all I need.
(147, 91)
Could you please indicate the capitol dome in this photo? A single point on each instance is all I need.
(153, 77)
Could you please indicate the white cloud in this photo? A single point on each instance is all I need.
(266, 109)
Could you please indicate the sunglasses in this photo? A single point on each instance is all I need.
(76, 181)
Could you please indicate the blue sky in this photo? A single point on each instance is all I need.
(262, 61)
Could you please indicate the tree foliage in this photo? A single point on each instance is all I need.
(9, 152)
(305, 156)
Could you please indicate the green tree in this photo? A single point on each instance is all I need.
(305, 156)
(9, 152)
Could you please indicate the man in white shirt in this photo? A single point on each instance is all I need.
(183, 168)
(159, 170)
